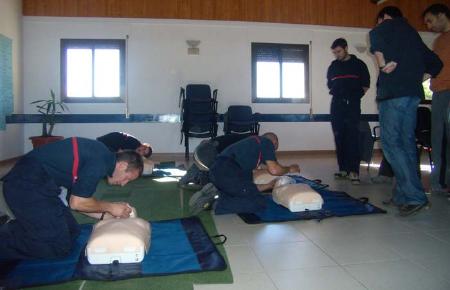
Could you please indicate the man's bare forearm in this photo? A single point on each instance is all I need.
(88, 205)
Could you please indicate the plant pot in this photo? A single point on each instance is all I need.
(42, 140)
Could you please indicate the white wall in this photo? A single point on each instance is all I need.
(11, 139)
(159, 65)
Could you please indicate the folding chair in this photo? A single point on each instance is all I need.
(240, 120)
(423, 132)
(366, 143)
(198, 113)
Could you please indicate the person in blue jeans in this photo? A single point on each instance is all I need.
(404, 62)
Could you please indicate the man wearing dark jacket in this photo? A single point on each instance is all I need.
(119, 141)
(404, 62)
(44, 226)
(348, 80)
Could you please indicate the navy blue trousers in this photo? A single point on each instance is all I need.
(345, 118)
(44, 227)
(238, 193)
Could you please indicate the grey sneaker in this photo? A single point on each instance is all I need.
(203, 199)
(379, 179)
(341, 175)
(354, 178)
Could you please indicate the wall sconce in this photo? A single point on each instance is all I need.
(193, 49)
(361, 47)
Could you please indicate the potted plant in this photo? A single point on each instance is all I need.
(49, 108)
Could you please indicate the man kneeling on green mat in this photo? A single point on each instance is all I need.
(232, 189)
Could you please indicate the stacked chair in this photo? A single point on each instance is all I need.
(198, 113)
(240, 120)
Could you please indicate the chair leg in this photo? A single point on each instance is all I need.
(186, 146)
(431, 160)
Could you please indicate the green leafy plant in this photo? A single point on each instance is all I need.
(49, 109)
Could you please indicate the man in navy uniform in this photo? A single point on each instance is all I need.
(348, 80)
(204, 155)
(44, 226)
(232, 175)
(117, 141)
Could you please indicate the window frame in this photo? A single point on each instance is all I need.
(279, 46)
(92, 44)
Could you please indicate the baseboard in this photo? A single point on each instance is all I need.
(9, 160)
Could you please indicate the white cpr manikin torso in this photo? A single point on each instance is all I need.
(119, 240)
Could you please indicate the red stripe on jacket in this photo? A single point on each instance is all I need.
(345, 77)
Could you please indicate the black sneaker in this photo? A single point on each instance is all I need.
(4, 219)
(409, 209)
(203, 199)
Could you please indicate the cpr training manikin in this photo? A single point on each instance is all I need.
(119, 240)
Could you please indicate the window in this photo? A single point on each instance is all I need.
(280, 73)
(92, 70)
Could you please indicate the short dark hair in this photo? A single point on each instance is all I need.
(150, 150)
(392, 11)
(436, 9)
(134, 160)
(341, 42)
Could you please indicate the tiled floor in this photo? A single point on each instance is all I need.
(382, 251)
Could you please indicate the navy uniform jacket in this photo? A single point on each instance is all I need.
(400, 42)
(95, 163)
(247, 151)
(346, 79)
(116, 141)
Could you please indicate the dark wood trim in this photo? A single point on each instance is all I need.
(349, 13)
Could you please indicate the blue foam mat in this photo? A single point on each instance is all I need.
(177, 246)
(336, 203)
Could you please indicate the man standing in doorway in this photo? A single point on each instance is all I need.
(404, 62)
(437, 19)
(348, 80)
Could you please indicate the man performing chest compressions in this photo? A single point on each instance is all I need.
(44, 227)
(232, 175)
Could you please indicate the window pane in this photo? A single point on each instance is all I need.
(293, 80)
(107, 73)
(79, 72)
(267, 79)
